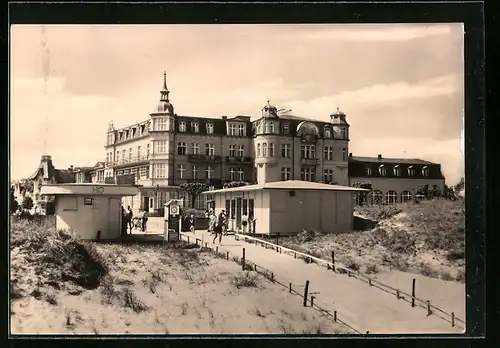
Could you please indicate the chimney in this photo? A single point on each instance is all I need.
(350, 154)
(70, 168)
(379, 156)
(224, 118)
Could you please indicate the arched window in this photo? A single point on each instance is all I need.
(375, 197)
(391, 197)
(420, 197)
(405, 196)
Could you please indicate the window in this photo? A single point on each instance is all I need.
(328, 153)
(258, 150)
(271, 149)
(241, 174)
(328, 132)
(382, 170)
(209, 172)
(375, 197)
(328, 175)
(138, 152)
(144, 173)
(286, 174)
(271, 128)
(285, 129)
(368, 171)
(71, 203)
(182, 126)
(232, 174)
(286, 151)
(147, 150)
(241, 150)
(123, 156)
(232, 150)
(391, 197)
(160, 124)
(182, 171)
(181, 148)
(139, 131)
(195, 147)
(160, 146)
(343, 132)
(425, 171)
(117, 156)
(130, 155)
(308, 174)
(397, 170)
(210, 128)
(344, 154)
(209, 149)
(411, 171)
(241, 130)
(308, 151)
(194, 171)
(160, 170)
(264, 149)
(266, 127)
(195, 127)
(405, 196)
(232, 129)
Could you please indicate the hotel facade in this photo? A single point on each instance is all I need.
(168, 149)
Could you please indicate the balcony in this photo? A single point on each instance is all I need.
(204, 158)
(309, 161)
(129, 161)
(238, 159)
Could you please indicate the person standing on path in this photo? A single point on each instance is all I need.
(192, 223)
(145, 221)
(244, 222)
(130, 215)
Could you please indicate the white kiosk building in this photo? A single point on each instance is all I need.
(288, 207)
(92, 210)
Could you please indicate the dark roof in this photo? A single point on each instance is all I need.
(298, 118)
(64, 176)
(389, 160)
(83, 169)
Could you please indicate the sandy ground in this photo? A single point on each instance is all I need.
(153, 291)
(365, 308)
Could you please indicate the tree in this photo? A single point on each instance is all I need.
(194, 189)
(460, 186)
(27, 203)
(14, 205)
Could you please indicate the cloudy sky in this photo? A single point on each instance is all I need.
(401, 86)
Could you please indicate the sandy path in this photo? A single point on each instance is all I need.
(365, 308)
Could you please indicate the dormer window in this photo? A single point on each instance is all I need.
(397, 170)
(195, 127)
(382, 171)
(271, 128)
(232, 129)
(210, 128)
(425, 171)
(241, 130)
(328, 132)
(285, 129)
(182, 126)
(343, 132)
(266, 128)
(411, 171)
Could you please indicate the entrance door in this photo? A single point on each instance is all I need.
(114, 218)
(238, 213)
(145, 203)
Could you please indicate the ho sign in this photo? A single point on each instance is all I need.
(99, 190)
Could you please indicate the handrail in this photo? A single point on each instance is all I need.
(272, 277)
(356, 274)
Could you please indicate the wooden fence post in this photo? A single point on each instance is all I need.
(243, 260)
(312, 301)
(333, 260)
(227, 255)
(452, 319)
(397, 294)
(202, 240)
(306, 291)
(196, 241)
(217, 249)
(290, 288)
(272, 277)
(413, 292)
(188, 240)
(335, 316)
(429, 310)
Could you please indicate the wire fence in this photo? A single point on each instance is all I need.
(337, 268)
(247, 265)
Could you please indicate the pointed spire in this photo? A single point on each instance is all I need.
(164, 90)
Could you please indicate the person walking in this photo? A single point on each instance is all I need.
(223, 221)
(244, 222)
(219, 227)
(192, 223)
(124, 222)
(130, 215)
(211, 222)
(145, 221)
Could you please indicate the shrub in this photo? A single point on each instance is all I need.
(249, 280)
(371, 269)
(352, 264)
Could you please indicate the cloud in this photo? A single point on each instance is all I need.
(381, 32)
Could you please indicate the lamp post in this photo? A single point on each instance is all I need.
(157, 197)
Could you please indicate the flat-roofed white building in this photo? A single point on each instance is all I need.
(288, 207)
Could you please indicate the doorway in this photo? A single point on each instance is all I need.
(114, 217)
(145, 203)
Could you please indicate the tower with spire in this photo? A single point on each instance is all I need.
(164, 106)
